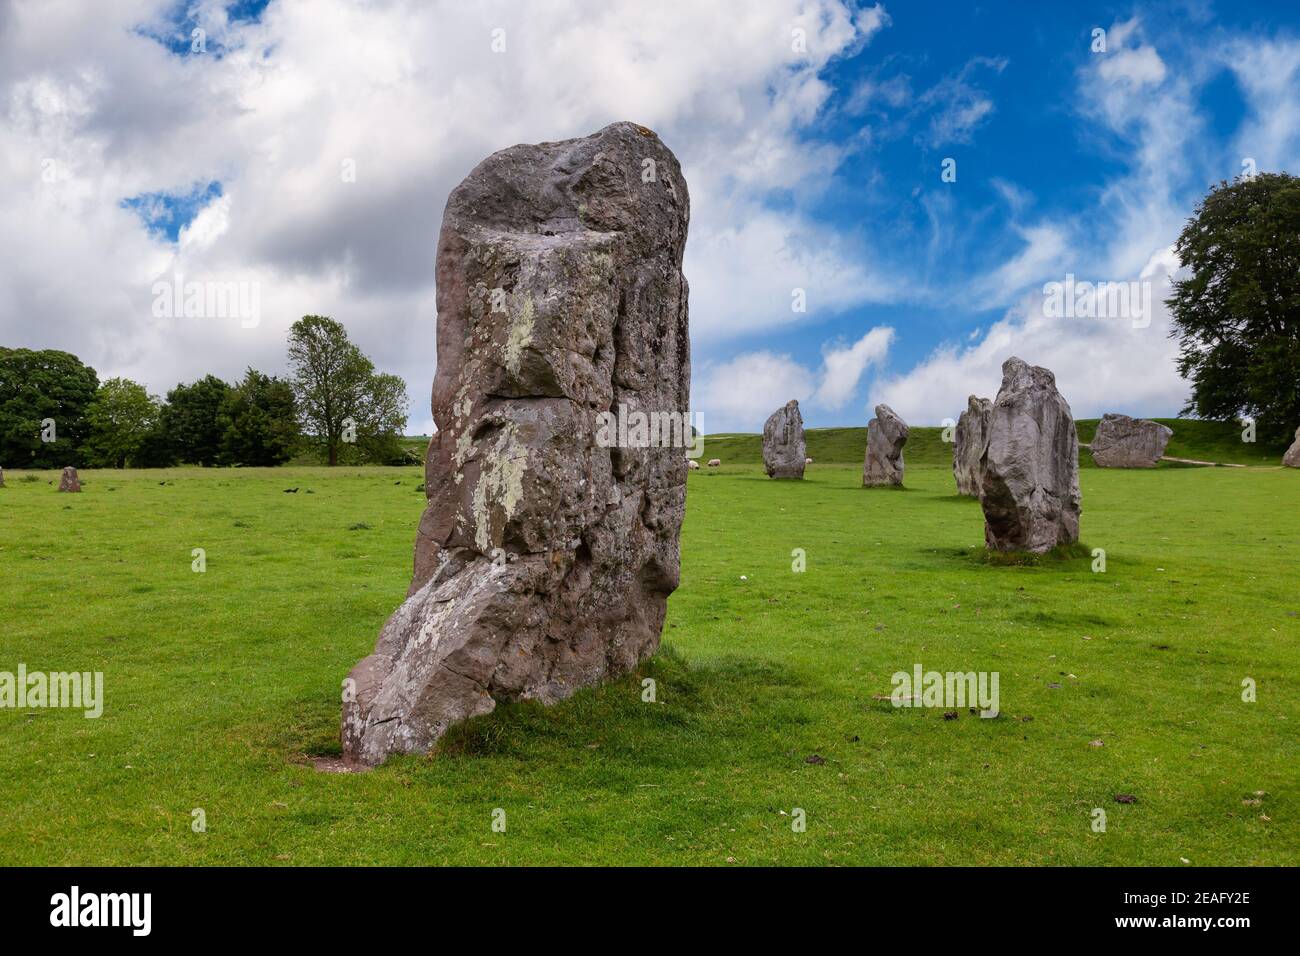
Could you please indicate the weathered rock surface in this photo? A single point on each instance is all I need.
(1292, 457)
(544, 559)
(1123, 442)
(1029, 474)
(2, 477)
(69, 480)
(968, 443)
(784, 452)
(886, 436)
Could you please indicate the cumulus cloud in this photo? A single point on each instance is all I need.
(739, 394)
(336, 129)
(1118, 362)
(843, 367)
(1137, 67)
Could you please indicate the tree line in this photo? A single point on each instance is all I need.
(55, 411)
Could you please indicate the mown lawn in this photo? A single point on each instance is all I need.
(220, 687)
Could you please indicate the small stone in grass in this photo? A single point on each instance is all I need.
(1125, 798)
(814, 759)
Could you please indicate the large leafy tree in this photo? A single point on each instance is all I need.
(341, 400)
(36, 386)
(191, 420)
(259, 420)
(120, 420)
(380, 431)
(1237, 314)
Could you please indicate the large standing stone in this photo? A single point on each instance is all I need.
(1029, 475)
(1123, 442)
(784, 452)
(545, 558)
(1292, 457)
(968, 445)
(886, 436)
(69, 480)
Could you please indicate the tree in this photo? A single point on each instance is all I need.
(157, 449)
(37, 387)
(1237, 315)
(383, 421)
(341, 399)
(190, 419)
(259, 421)
(119, 419)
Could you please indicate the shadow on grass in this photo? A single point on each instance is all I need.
(858, 489)
(1064, 558)
(697, 708)
(700, 711)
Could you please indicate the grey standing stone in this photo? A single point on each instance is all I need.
(886, 436)
(69, 480)
(784, 452)
(968, 444)
(2, 477)
(1029, 474)
(545, 557)
(1123, 442)
(1292, 457)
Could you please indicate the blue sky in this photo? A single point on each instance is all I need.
(1031, 152)
(812, 134)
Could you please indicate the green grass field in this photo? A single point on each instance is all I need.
(222, 686)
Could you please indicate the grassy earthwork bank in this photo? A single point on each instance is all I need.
(222, 687)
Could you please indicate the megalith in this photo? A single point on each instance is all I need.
(1029, 473)
(784, 453)
(968, 445)
(886, 436)
(1123, 442)
(1292, 457)
(69, 481)
(545, 556)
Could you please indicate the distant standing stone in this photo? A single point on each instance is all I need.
(2, 477)
(1029, 484)
(968, 445)
(69, 481)
(1292, 457)
(886, 436)
(1123, 442)
(784, 452)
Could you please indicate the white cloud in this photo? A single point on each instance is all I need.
(1138, 67)
(843, 367)
(739, 394)
(1101, 364)
(746, 272)
(1268, 72)
(1045, 248)
(414, 96)
(962, 106)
